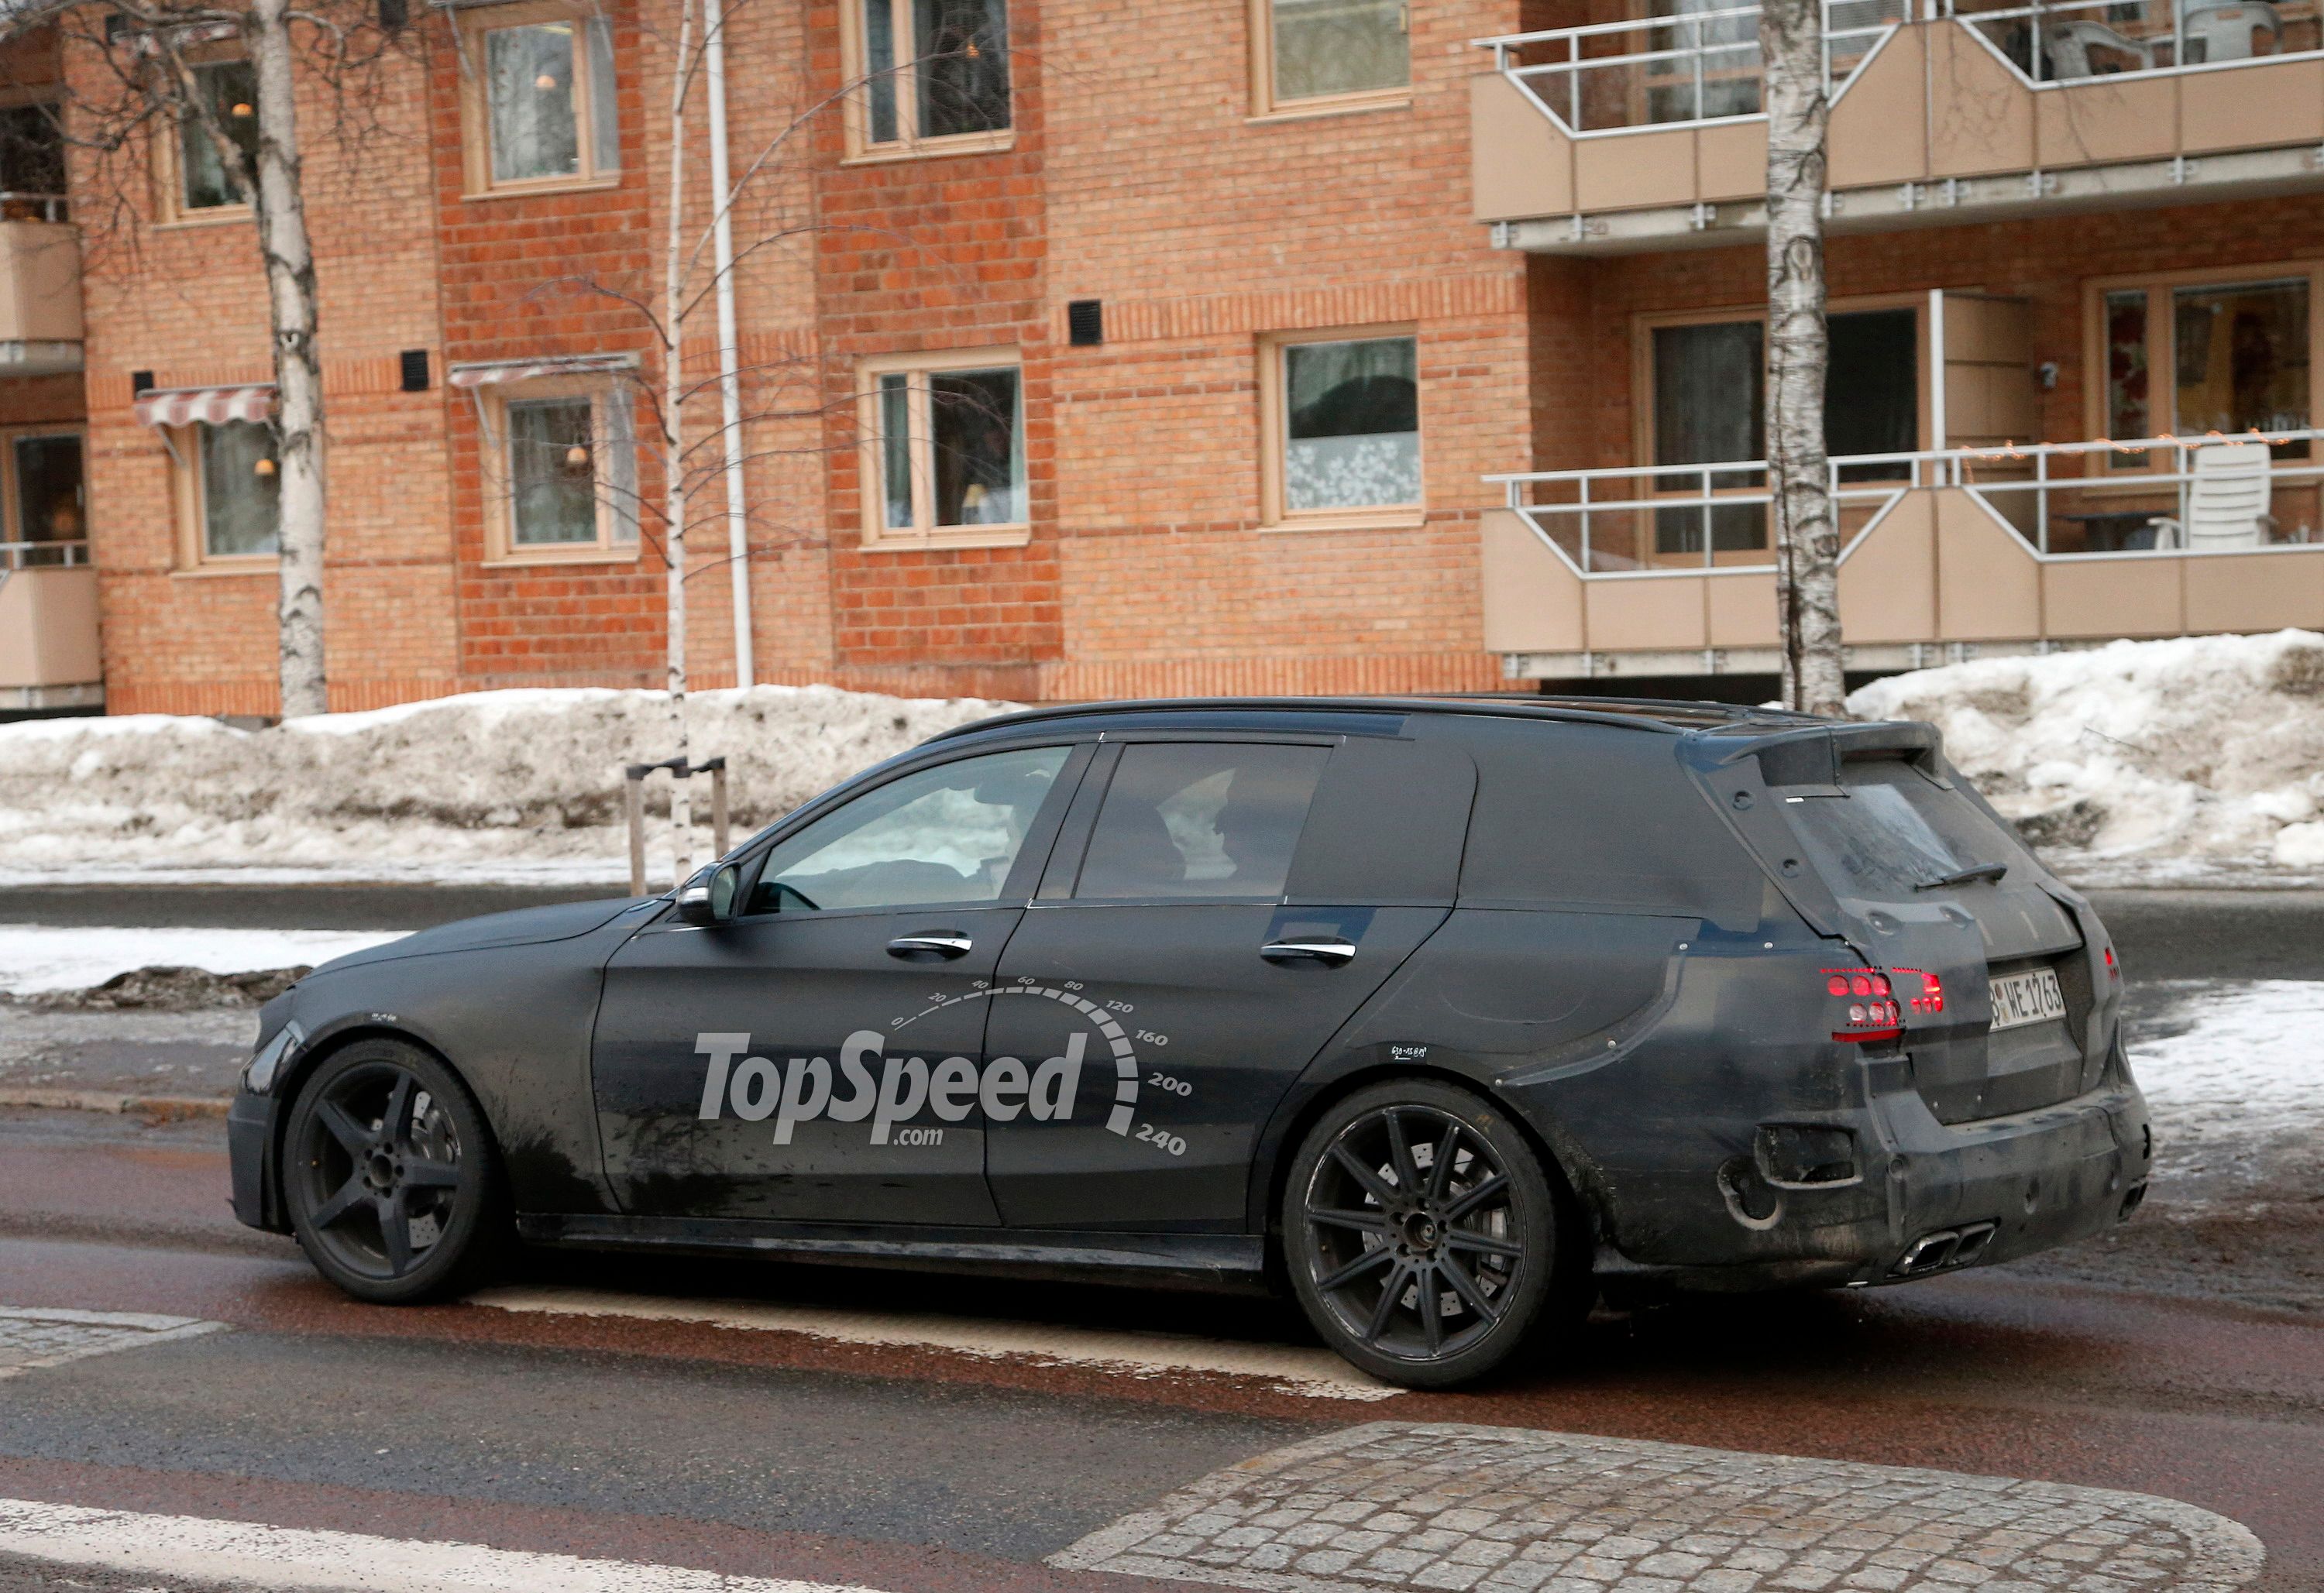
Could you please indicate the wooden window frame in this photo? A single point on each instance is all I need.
(168, 165)
(12, 502)
(192, 513)
(855, 108)
(2162, 352)
(878, 536)
(1265, 108)
(475, 21)
(613, 544)
(1274, 423)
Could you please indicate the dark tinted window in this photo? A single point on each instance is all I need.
(1592, 816)
(1200, 819)
(1896, 830)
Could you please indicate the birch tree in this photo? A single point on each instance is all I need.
(1799, 475)
(132, 77)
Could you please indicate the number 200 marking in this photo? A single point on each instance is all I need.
(1175, 1086)
(1169, 1142)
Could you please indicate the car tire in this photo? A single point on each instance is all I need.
(1426, 1239)
(391, 1178)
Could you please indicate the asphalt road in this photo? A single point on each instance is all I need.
(844, 1457)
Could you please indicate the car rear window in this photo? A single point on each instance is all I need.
(1895, 830)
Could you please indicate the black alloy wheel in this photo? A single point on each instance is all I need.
(1425, 1238)
(392, 1186)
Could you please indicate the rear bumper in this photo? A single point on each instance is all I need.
(250, 1154)
(1926, 1197)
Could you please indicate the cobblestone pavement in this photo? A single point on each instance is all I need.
(45, 1338)
(1506, 1510)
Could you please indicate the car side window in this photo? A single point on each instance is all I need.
(950, 834)
(1200, 819)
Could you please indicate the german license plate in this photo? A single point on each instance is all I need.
(2031, 997)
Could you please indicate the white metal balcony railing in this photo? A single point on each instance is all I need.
(27, 555)
(1703, 66)
(2121, 504)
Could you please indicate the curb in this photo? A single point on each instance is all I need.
(171, 1107)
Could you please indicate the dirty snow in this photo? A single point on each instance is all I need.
(2234, 1073)
(522, 786)
(2193, 762)
(35, 957)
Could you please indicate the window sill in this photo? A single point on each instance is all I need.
(1352, 520)
(542, 185)
(212, 217)
(1352, 104)
(583, 553)
(939, 541)
(212, 569)
(931, 149)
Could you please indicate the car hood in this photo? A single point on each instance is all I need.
(524, 927)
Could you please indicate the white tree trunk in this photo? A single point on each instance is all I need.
(673, 441)
(1806, 530)
(280, 208)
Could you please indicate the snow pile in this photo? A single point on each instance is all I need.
(2194, 761)
(520, 786)
(2236, 1078)
(36, 957)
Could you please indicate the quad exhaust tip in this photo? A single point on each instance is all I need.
(1945, 1248)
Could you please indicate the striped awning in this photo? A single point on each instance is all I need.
(487, 373)
(182, 405)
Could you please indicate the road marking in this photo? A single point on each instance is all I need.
(1509, 1510)
(1314, 1373)
(246, 1555)
(32, 1337)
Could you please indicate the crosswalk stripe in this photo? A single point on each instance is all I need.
(244, 1554)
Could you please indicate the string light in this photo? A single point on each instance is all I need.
(263, 468)
(243, 110)
(545, 82)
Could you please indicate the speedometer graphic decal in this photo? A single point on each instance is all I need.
(1107, 1026)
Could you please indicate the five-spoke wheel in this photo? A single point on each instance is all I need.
(389, 1175)
(1423, 1234)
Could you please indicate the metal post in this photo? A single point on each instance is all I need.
(2042, 499)
(633, 804)
(715, 769)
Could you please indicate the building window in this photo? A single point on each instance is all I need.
(205, 181)
(2239, 357)
(564, 471)
(32, 163)
(945, 447)
(46, 500)
(933, 73)
(238, 490)
(543, 110)
(1343, 418)
(1311, 54)
(1707, 405)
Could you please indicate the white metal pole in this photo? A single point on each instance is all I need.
(730, 379)
(1937, 440)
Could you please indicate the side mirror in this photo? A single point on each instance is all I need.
(711, 897)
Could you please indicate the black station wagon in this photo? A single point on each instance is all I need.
(1445, 1014)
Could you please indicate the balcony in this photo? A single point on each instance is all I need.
(49, 656)
(1662, 569)
(39, 287)
(1649, 133)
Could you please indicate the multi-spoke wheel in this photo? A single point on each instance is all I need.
(389, 1175)
(1422, 1234)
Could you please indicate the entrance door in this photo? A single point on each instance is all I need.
(1168, 990)
(820, 1056)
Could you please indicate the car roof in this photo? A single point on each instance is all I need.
(1649, 713)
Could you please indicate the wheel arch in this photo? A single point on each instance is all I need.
(303, 1066)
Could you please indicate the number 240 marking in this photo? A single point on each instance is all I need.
(1169, 1142)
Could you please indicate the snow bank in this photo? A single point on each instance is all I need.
(2236, 1078)
(522, 785)
(36, 957)
(2188, 761)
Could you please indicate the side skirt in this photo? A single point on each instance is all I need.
(1222, 1263)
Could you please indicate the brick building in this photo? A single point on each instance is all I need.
(1088, 350)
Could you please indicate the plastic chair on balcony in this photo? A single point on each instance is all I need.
(2069, 46)
(2228, 31)
(2226, 501)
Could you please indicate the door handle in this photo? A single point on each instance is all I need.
(1330, 951)
(946, 947)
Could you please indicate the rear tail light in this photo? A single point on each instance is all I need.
(1863, 1004)
(2113, 969)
